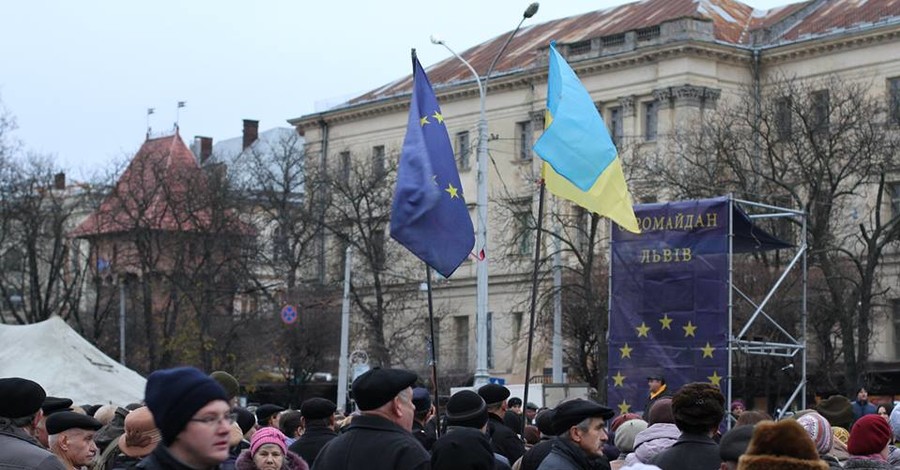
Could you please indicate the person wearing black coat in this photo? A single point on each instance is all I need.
(698, 409)
(379, 438)
(317, 418)
(505, 440)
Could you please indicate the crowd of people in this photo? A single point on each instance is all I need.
(190, 421)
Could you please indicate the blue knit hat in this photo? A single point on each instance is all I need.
(174, 395)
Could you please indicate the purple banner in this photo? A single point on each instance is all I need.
(669, 304)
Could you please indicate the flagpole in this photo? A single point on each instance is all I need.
(534, 293)
(434, 374)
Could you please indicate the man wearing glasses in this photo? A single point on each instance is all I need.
(193, 416)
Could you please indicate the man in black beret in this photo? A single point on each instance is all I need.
(423, 430)
(581, 429)
(72, 438)
(733, 445)
(317, 419)
(698, 409)
(267, 415)
(506, 442)
(379, 438)
(20, 412)
(48, 407)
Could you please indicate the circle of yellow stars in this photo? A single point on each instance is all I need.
(643, 331)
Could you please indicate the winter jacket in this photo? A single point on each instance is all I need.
(651, 441)
(567, 456)
(861, 409)
(311, 442)
(690, 452)
(292, 461)
(373, 443)
(534, 456)
(18, 450)
(505, 441)
(854, 462)
(833, 463)
(162, 459)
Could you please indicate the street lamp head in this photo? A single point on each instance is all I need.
(437, 40)
(531, 10)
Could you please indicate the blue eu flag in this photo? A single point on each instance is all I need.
(429, 214)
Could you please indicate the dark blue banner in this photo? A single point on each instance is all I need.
(669, 304)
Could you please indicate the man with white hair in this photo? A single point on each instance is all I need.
(71, 438)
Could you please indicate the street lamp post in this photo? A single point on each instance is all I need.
(481, 273)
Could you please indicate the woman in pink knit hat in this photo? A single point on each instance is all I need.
(268, 452)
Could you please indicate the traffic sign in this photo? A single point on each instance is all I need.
(289, 314)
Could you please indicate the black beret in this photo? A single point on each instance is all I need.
(20, 397)
(421, 398)
(734, 443)
(493, 393)
(317, 408)
(65, 420)
(572, 412)
(514, 401)
(544, 421)
(264, 412)
(245, 418)
(467, 409)
(54, 405)
(531, 406)
(379, 386)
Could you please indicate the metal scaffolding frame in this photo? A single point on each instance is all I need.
(789, 345)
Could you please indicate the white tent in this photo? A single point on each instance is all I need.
(54, 355)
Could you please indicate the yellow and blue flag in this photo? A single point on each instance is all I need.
(429, 214)
(581, 161)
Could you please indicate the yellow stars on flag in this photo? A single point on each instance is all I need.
(626, 351)
(689, 330)
(642, 330)
(438, 117)
(624, 407)
(666, 322)
(454, 192)
(619, 379)
(715, 379)
(708, 350)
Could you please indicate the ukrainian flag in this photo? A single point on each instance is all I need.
(581, 161)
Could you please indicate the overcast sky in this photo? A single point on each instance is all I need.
(80, 75)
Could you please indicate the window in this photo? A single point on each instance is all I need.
(615, 125)
(344, 168)
(646, 34)
(821, 109)
(463, 150)
(525, 132)
(783, 118)
(378, 249)
(280, 247)
(894, 189)
(614, 40)
(524, 237)
(651, 120)
(579, 48)
(894, 104)
(490, 340)
(378, 161)
(461, 340)
(895, 314)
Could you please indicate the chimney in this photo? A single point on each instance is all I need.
(205, 148)
(59, 181)
(251, 132)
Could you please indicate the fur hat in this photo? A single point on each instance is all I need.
(698, 407)
(819, 431)
(782, 445)
(661, 412)
(870, 435)
(626, 433)
(174, 395)
(837, 410)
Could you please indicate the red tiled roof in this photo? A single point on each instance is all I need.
(732, 23)
(158, 191)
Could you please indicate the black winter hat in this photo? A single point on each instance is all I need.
(317, 408)
(264, 412)
(55, 405)
(379, 386)
(20, 397)
(245, 418)
(467, 409)
(734, 443)
(493, 393)
(544, 422)
(174, 395)
(65, 420)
